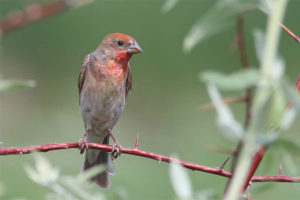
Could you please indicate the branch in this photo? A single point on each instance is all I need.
(226, 100)
(36, 12)
(138, 152)
(254, 164)
(248, 96)
(295, 37)
(244, 61)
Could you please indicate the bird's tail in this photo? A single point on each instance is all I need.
(97, 157)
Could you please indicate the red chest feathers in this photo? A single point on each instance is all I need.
(113, 71)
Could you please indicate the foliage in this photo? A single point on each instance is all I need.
(12, 85)
(62, 186)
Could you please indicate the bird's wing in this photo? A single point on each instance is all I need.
(128, 81)
(81, 77)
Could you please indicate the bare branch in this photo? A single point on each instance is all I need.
(138, 152)
(295, 37)
(227, 100)
(36, 12)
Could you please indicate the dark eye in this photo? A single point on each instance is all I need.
(120, 43)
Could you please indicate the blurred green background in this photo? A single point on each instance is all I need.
(163, 107)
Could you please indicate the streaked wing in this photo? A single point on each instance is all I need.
(81, 77)
(128, 81)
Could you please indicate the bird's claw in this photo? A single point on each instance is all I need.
(116, 150)
(82, 145)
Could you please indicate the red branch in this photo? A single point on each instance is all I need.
(35, 12)
(254, 165)
(138, 152)
(295, 37)
(30, 14)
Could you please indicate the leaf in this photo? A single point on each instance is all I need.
(86, 175)
(206, 194)
(80, 189)
(278, 66)
(180, 181)
(288, 119)
(235, 82)
(11, 85)
(226, 121)
(169, 5)
(216, 19)
(291, 94)
(288, 144)
(289, 165)
(277, 107)
(44, 173)
(266, 6)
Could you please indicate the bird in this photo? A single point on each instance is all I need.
(104, 82)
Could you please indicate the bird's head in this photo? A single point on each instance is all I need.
(119, 45)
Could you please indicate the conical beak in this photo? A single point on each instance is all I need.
(134, 48)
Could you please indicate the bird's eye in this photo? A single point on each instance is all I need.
(120, 43)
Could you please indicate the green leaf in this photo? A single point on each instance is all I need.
(289, 165)
(169, 5)
(219, 17)
(180, 181)
(86, 175)
(80, 189)
(235, 82)
(11, 85)
(278, 65)
(291, 94)
(277, 107)
(44, 173)
(225, 120)
(206, 194)
(287, 144)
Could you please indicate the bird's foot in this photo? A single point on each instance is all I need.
(116, 148)
(82, 143)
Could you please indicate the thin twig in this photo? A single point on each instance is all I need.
(227, 100)
(295, 37)
(138, 152)
(36, 12)
(244, 61)
(254, 165)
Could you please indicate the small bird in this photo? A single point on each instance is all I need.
(104, 82)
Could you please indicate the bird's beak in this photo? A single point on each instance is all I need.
(134, 48)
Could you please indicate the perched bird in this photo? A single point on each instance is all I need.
(104, 82)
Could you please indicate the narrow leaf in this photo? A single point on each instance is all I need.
(235, 82)
(11, 85)
(219, 17)
(169, 5)
(291, 94)
(226, 121)
(288, 144)
(180, 181)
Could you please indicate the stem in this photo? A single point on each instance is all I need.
(262, 96)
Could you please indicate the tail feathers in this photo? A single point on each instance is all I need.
(96, 157)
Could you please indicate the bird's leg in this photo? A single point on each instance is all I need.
(117, 148)
(82, 143)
